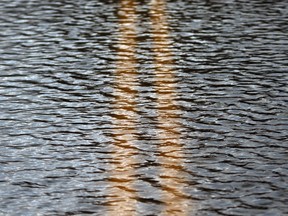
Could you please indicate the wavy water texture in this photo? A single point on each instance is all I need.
(79, 137)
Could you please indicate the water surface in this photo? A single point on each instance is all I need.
(143, 107)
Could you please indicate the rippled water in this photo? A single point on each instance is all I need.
(102, 111)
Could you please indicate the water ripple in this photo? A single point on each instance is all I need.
(213, 134)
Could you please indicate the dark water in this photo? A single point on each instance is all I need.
(58, 96)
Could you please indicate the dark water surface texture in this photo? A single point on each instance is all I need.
(143, 107)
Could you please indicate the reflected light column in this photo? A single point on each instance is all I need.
(172, 175)
(122, 193)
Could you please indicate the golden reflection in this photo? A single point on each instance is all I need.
(122, 195)
(172, 175)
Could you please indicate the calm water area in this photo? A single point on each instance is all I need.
(144, 107)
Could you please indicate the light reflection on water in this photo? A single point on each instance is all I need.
(123, 194)
(172, 176)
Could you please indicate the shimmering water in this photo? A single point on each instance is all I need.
(143, 107)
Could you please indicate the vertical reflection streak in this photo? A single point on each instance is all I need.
(171, 156)
(122, 196)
